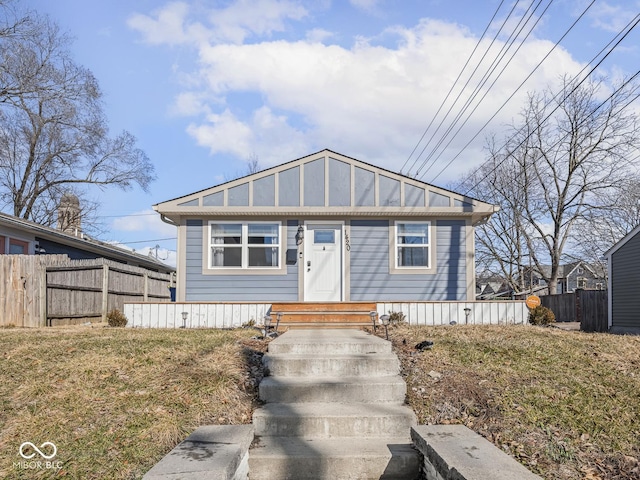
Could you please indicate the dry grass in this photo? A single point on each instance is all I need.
(115, 401)
(565, 404)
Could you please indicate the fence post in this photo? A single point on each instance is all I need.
(145, 295)
(105, 291)
(578, 305)
(43, 296)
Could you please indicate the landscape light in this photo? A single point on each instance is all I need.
(385, 321)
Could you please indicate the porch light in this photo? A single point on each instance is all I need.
(385, 321)
(374, 316)
(300, 235)
(184, 319)
(467, 312)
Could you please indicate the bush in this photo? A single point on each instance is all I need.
(541, 316)
(116, 318)
(396, 318)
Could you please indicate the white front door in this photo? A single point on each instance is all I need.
(323, 262)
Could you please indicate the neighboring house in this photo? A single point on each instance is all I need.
(573, 276)
(624, 284)
(19, 236)
(492, 287)
(326, 228)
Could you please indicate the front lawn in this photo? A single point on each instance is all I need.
(565, 404)
(114, 401)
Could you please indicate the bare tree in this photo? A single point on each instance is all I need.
(252, 166)
(564, 155)
(54, 136)
(14, 24)
(615, 214)
(500, 243)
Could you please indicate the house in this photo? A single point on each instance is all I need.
(19, 236)
(60, 276)
(572, 276)
(325, 228)
(624, 284)
(492, 287)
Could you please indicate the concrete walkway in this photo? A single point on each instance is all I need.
(334, 410)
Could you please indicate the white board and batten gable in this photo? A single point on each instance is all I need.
(325, 184)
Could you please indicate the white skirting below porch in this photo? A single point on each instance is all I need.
(232, 315)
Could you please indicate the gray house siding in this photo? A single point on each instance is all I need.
(236, 288)
(625, 285)
(370, 277)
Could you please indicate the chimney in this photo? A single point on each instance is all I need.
(69, 218)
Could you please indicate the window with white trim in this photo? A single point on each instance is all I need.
(413, 244)
(241, 245)
(582, 282)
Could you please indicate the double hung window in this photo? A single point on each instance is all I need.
(413, 245)
(244, 245)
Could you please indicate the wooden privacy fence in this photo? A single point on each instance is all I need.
(589, 307)
(46, 290)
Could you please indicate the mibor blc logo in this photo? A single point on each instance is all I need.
(25, 445)
(37, 457)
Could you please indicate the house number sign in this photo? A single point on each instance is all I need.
(346, 241)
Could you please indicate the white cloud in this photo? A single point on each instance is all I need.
(234, 23)
(365, 100)
(167, 27)
(147, 222)
(189, 104)
(318, 35)
(223, 133)
(367, 5)
(166, 256)
(148, 226)
(369, 101)
(260, 17)
(610, 17)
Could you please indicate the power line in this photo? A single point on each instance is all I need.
(456, 81)
(151, 240)
(129, 215)
(512, 94)
(630, 27)
(484, 80)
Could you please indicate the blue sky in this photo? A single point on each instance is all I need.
(206, 85)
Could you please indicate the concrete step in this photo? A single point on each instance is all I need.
(324, 420)
(280, 458)
(387, 389)
(329, 341)
(365, 364)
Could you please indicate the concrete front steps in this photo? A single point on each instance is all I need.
(323, 314)
(334, 410)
